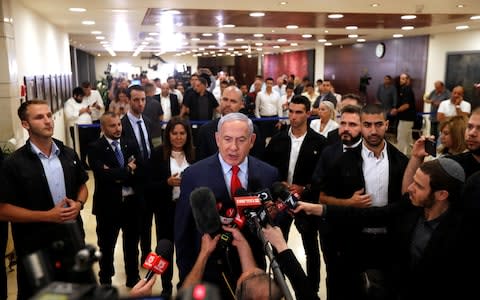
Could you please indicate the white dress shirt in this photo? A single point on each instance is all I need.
(268, 105)
(296, 144)
(375, 172)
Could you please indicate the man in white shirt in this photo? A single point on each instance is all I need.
(78, 111)
(94, 100)
(280, 88)
(267, 105)
(172, 84)
(455, 106)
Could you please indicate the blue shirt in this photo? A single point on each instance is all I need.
(53, 171)
(133, 120)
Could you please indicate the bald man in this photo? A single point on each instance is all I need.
(455, 106)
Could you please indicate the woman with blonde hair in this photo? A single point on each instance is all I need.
(452, 136)
(326, 121)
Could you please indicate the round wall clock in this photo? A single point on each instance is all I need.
(380, 50)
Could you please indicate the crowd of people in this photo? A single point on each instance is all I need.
(392, 221)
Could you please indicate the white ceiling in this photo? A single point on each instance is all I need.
(109, 20)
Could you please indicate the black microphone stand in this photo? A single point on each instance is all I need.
(277, 273)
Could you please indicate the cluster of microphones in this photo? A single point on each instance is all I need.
(256, 209)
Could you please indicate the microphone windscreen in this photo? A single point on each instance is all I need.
(204, 210)
(279, 190)
(241, 192)
(165, 249)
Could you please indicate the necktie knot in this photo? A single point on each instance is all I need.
(118, 153)
(235, 170)
(114, 144)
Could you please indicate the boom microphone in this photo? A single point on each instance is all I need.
(158, 262)
(205, 214)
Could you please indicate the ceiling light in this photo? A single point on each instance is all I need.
(475, 18)
(326, 31)
(153, 33)
(239, 40)
(103, 42)
(460, 6)
(228, 26)
(353, 36)
(98, 54)
(170, 12)
(120, 10)
(276, 47)
(293, 44)
(88, 22)
(145, 43)
(351, 27)
(322, 40)
(211, 46)
(230, 49)
(374, 5)
(149, 38)
(207, 34)
(258, 35)
(201, 49)
(291, 26)
(328, 44)
(179, 24)
(221, 44)
(283, 3)
(77, 9)
(306, 36)
(259, 49)
(361, 40)
(96, 32)
(408, 28)
(195, 39)
(462, 27)
(258, 44)
(100, 37)
(281, 40)
(408, 17)
(335, 16)
(397, 35)
(221, 50)
(257, 14)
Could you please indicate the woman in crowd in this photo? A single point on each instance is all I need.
(326, 121)
(452, 136)
(167, 164)
(120, 103)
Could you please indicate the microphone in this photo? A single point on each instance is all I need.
(250, 204)
(290, 201)
(205, 214)
(158, 262)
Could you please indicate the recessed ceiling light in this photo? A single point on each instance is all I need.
(195, 39)
(258, 44)
(221, 50)
(77, 9)
(397, 35)
(281, 40)
(328, 44)
(293, 44)
(353, 36)
(96, 32)
(153, 33)
(230, 49)
(375, 5)
(291, 26)
(149, 38)
(221, 44)
(170, 12)
(335, 16)
(257, 14)
(244, 47)
(462, 27)
(229, 25)
(98, 54)
(460, 6)
(351, 27)
(100, 37)
(276, 47)
(326, 31)
(201, 49)
(283, 3)
(408, 28)
(120, 10)
(103, 42)
(361, 40)
(88, 22)
(145, 43)
(207, 34)
(179, 24)
(322, 40)
(258, 35)
(475, 18)
(306, 36)
(211, 46)
(259, 49)
(239, 40)
(408, 17)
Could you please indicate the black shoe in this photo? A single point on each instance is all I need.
(105, 281)
(166, 293)
(132, 282)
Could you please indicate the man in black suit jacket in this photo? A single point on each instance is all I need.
(295, 153)
(235, 138)
(131, 124)
(114, 200)
(231, 101)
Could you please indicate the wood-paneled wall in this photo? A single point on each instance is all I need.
(345, 65)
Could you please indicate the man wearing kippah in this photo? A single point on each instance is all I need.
(433, 248)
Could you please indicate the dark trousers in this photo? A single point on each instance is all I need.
(108, 228)
(3, 249)
(85, 137)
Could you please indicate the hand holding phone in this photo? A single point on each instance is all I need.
(431, 147)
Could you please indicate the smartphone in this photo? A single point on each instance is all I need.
(131, 158)
(431, 147)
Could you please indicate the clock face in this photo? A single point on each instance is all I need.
(380, 50)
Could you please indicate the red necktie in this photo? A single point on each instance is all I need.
(235, 183)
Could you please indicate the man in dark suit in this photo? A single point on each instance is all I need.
(234, 138)
(114, 200)
(295, 153)
(231, 101)
(136, 128)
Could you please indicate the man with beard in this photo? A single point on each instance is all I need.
(363, 176)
